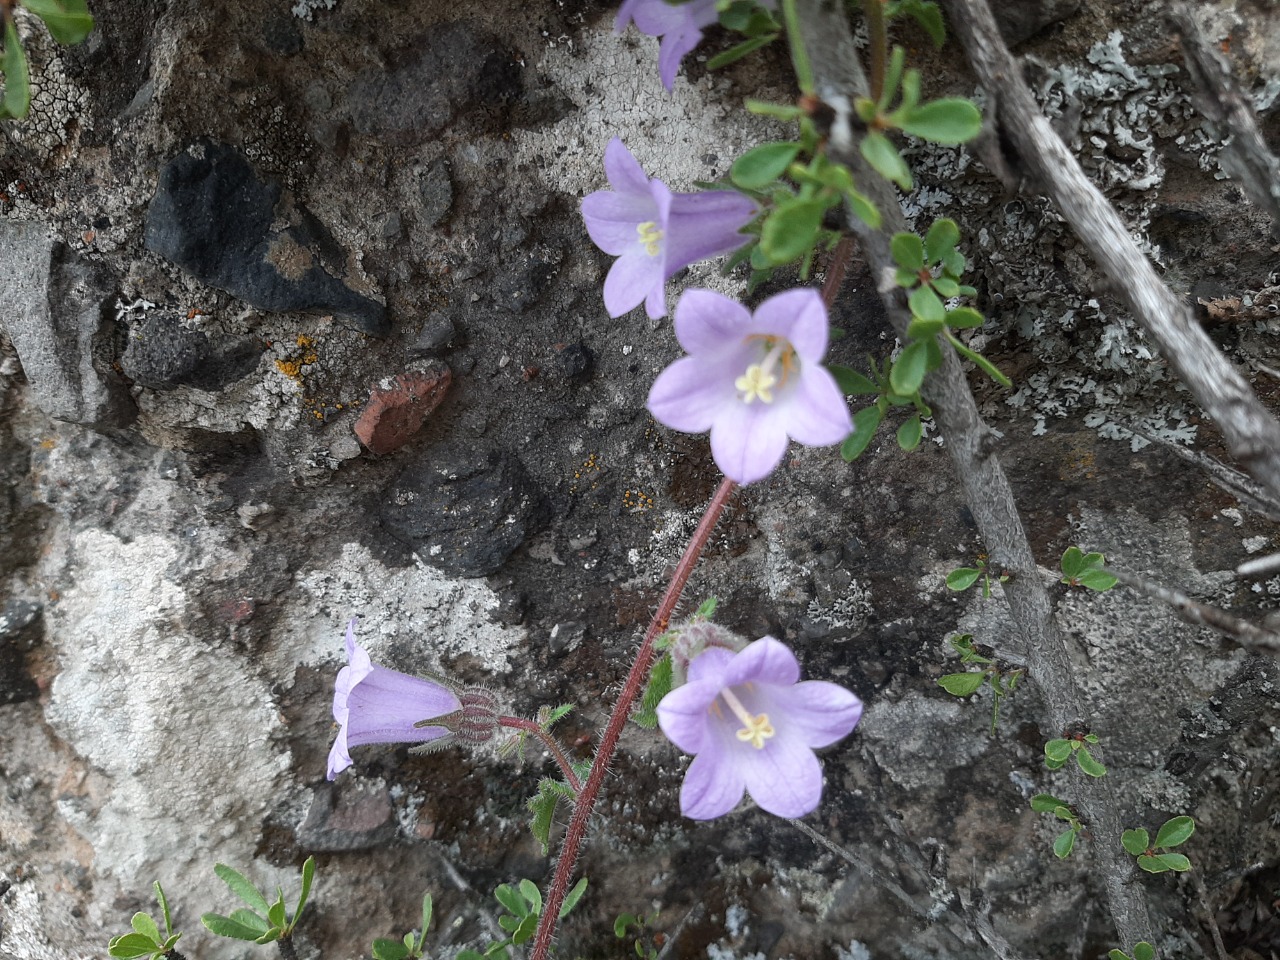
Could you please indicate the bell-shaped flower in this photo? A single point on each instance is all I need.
(753, 380)
(679, 25)
(654, 233)
(753, 728)
(374, 704)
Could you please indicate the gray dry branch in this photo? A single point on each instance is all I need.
(839, 78)
(1250, 431)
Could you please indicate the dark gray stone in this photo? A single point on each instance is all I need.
(16, 682)
(1022, 20)
(350, 816)
(56, 313)
(463, 511)
(163, 354)
(437, 335)
(212, 215)
(454, 70)
(436, 190)
(572, 362)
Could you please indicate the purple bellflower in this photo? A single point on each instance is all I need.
(654, 233)
(753, 728)
(679, 25)
(753, 380)
(374, 704)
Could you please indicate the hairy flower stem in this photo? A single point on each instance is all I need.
(878, 32)
(586, 801)
(550, 742)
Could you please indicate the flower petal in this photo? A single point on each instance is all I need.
(784, 778)
(689, 397)
(613, 219)
(631, 279)
(623, 170)
(817, 413)
(684, 714)
(766, 660)
(386, 705)
(799, 316)
(748, 441)
(820, 712)
(709, 323)
(705, 225)
(712, 786)
(711, 665)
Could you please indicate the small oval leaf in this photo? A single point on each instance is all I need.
(949, 121)
(760, 166)
(962, 684)
(1175, 832)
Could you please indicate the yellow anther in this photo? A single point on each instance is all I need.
(756, 382)
(651, 237)
(757, 731)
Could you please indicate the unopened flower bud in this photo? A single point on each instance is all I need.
(694, 636)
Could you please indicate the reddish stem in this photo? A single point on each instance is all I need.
(837, 267)
(586, 801)
(550, 742)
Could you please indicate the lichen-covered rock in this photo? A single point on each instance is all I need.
(163, 354)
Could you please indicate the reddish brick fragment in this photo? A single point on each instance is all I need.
(397, 407)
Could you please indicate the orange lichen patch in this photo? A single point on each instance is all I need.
(636, 500)
(587, 475)
(48, 443)
(306, 354)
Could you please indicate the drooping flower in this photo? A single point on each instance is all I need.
(374, 704)
(753, 728)
(753, 380)
(679, 25)
(654, 233)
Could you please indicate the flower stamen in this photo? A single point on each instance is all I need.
(759, 380)
(650, 236)
(756, 729)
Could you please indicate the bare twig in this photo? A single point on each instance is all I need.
(1228, 113)
(1246, 634)
(1250, 431)
(1203, 895)
(839, 78)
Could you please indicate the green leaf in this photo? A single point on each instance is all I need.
(68, 20)
(543, 807)
(1072, 562)
(850, 381)
(469, 955)
(734, 53)
(661, 680)
(389, 950)
(17, 78)
(1086, 762)
(926, 305)
(308, 875)
(131, 945)
(1143, 951)
(1058, 750)
(863, 208)
(1098, 580)
(164, 908)
(555, 715)
(143, 924)
(964, 317)
(919, 329)
(1135, 842)
(791, 230)
(962, 684)
(1153, 865)
(242, 888)
(276, 915)
(962, 578)
(909, 369)
(624, 920)
(779, 111)
(909, 434)
(426, 916)
(506, 895)
(927, 14)
(760, 166)
(949, 121)
(533, 896)
(1047, 803)
(865, 422)
(572, 897)
(1053, 764)
(908, 251)
(226, 927)
(1175, 861)
(1091, 738)
(247, 918)
(1118, 955)
(525, 931)
(885, 159)
(987, 367)
(945, 287)
(941, 239)
(1174, 833)
(1064, 844)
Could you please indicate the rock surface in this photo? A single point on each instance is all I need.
(398, 406)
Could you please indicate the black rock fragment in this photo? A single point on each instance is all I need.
(163, 354)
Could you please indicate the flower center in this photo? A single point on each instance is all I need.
(755, 729)
(759, 380)
(651, 237)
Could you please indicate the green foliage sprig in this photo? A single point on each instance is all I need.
(262, 922)
(622, 925)
(523, 905)
(1153, 857)
(1080, 569)
(1002, 683)
(758, 24)
(69, 21)
(962, 578)
(1141, 951)
(1064, 842)
(413, 943)
(1058, 752)
(146, 941)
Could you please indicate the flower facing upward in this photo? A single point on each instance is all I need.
(654, 233)
(679, 25)
(753, 380)
(376, 705)
(752, 727)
